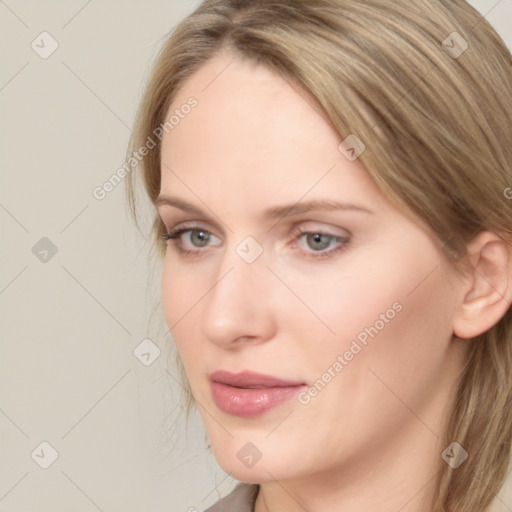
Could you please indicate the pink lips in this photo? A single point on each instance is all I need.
(249, 394)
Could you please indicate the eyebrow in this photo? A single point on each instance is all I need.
(275, 212)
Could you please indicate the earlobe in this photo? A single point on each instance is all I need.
(488, 293)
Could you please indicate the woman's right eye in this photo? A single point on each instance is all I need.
(197, 238)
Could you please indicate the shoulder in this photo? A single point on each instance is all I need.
(241, 499)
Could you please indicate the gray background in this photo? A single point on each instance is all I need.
(71, 320)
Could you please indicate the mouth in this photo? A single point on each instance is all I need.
(248, 394)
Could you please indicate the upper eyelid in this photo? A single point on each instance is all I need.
(160, 209)
(197, 224)
(188, 226)
(295, 218)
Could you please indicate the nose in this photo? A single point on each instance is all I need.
(238, 310)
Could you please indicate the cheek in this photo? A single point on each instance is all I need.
(382, 312)
(338, 302)
(180, 298)
(361, 395)
(172, 288)
(183, 286)
(394, 350)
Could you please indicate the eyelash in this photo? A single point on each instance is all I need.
(174, 238)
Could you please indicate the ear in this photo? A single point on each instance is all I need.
(488, 286)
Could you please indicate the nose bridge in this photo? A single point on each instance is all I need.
(237, 305)
(242, 268)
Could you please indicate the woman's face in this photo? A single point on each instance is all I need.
(295, 266)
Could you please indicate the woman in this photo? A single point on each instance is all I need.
(331, 182)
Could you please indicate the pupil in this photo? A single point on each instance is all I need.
(317, 240)
(202, 237)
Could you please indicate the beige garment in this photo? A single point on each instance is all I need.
(241, 499)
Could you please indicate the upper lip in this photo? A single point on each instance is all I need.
(247, 379)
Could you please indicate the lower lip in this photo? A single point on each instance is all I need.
(248, 403)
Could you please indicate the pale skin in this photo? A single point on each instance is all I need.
(371, 440)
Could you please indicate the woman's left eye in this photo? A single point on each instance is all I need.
(317, 243)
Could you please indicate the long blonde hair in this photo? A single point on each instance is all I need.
(427, 87)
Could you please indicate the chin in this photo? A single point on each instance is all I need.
(246, 462)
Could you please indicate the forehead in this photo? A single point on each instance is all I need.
(253, 130)
(238, 99)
